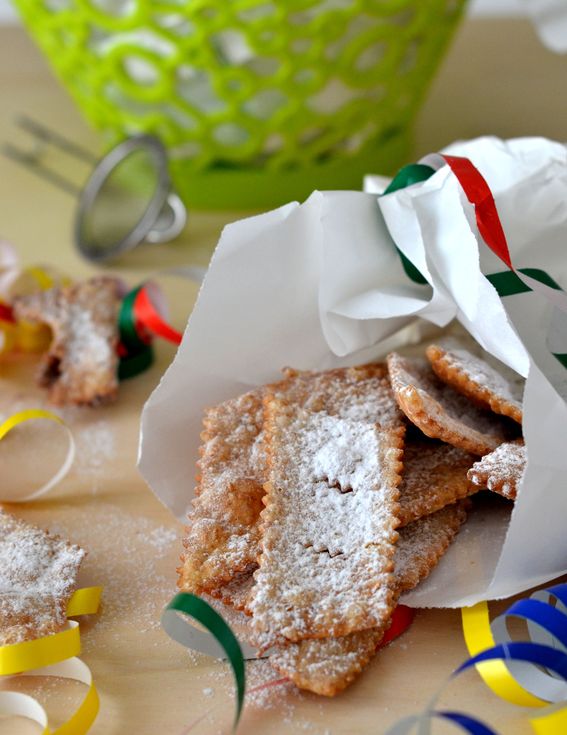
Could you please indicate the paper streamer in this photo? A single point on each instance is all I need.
(23, 705)
(225, 642)
(489, 225)
(84, 601)
(15, 280)
(529, 673)
(53, 655)
(11, 495)
(221, 642)
(401, 620)
(142, 316)
(51, 649)
(150, 310)
(413, 173)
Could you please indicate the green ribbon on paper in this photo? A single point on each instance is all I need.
(506, 283)
(413, 173)
(185, 634)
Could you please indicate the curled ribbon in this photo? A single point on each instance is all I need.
(21, 336)
(223, 645)
(490, 228)
(14, 280)
(529, 673)
(142, 316)
(219, 640)
(16, 704)
(15, 496)
(53, 655)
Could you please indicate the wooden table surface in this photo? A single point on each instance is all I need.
(146, 682)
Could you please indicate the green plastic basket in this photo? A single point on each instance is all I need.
(257, 101)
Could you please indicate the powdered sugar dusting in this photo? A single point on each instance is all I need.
(423, 542)
(38, 573)
(223, 535)
(501, 470)
(131, 557)
(440, 411)
(360, 393)
(80, 367)
(95, 448)
(499, 379)
(434, 475)
(328, 535)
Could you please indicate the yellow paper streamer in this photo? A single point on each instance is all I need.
(554, 722)
(22, 705)
(43, 279)
(32, 337)
(20, 417)
(8, 337)
(495, 674)
(53, 655)
(24, 336)
(51, 649)
(84, 601)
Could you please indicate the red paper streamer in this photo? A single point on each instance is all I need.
(148, 318)
(401, 620)
(6, 314)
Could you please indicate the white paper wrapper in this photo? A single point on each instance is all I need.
(550, 20)
(320, 285)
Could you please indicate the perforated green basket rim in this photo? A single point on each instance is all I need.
(230, 179)
(259, 189)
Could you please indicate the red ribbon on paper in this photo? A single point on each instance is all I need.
(479, 195)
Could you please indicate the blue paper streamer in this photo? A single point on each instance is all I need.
(546, 662)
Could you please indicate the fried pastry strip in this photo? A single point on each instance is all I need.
(222, 539)
(38, 573)
(81, 366)
(435, 475)
(223, 536)
(439, 411)
(329, 525)
(500, 390)
(327, 666)
(501, 470)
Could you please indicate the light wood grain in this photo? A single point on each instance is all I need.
(147, 683)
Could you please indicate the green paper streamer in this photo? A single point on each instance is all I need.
(139, 354)
(127, 324)
(133, 364)
(203, 613)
